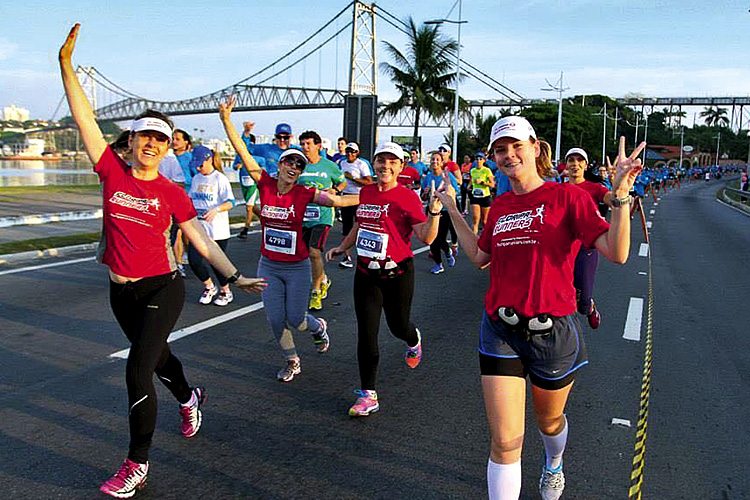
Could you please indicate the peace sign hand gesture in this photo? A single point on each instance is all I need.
(627, 169)
(226, 107)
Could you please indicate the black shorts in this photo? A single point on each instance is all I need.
(550, 360)
(483, 202)
(316, 236)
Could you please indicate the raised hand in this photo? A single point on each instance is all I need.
(66, 51)
(446, 194)
(226, 106)
(627, 169)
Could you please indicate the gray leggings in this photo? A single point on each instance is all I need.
(285, 300)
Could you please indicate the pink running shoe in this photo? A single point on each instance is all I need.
(366, 403)
(413, 355)
(130, 477)
(192, 416)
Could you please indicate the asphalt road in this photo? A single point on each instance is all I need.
(63, 404)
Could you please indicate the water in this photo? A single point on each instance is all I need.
(66, 172)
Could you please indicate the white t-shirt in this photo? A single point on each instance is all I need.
(170, 168)
(358, 169)
(207, 192)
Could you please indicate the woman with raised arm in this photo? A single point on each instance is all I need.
(146, 291)
(388, 215)
(284, 260)
(529, 325)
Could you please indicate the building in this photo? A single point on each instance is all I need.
(14, 113)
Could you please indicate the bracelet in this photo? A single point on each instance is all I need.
(233, 278)
(434, 214)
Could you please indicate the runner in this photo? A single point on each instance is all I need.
(466, 167)
(529, 327)
(146, 292)
(212, 198)
(284, 260)
(341, 143)
(481, 181)
(358, 174)
(320, 173)
(587, 259)
(384, 279)
(434, 180)
(450, 166)
(247, 184)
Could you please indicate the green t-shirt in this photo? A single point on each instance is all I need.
(483, 175)
(322, 175)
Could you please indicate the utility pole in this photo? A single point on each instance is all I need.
(559, 89)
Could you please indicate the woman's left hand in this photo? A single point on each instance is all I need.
(627, 169)
(251, 285)
(210, 214)
(446, 194)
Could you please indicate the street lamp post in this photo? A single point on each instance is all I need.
(718, 143)
(559, 89)
(747, 165)
(458, 74)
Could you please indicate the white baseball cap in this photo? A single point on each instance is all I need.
(389, 147)
(577, 151)
(445, 147)
(352, 145)
(516, 127)
(151, 123)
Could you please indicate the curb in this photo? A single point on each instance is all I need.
(740, 206)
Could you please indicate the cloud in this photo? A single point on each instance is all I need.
(7, 49)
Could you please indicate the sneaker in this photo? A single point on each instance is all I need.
(208, 295)
(130, 477)
(366, 403)
(594, 317)
(437, 269)
(346, 263)
(324, 288)
(291, 369)
(181, 270)
(224, 298)
(243, 234)
(316, 300)
(192, 416)
(552, 483)
(454, 250)
(413, 355)
(451, 260)
(321, 339)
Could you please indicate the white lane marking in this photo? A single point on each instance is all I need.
(204, 325)
(621, 421)
(734, 208)
(44, 266)
(656, 204)
(643, 251)
(649, 224)
(633, 321)
(652, 212)
(658, 198)
(643, 273)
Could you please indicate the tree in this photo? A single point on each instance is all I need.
(715, 116)
(423, 74)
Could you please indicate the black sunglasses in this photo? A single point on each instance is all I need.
(282, 137)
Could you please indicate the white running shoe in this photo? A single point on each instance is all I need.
(551, 484)
(208, 295)
(224, 298)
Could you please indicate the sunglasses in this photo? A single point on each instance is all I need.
(282, 137)
(298, 164)
(350, 150)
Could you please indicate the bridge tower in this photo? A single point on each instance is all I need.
(85, 75)
(361, 105)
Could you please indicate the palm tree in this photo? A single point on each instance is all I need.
(715, 116)
(423, 74)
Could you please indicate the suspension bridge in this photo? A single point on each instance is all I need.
(261, 91)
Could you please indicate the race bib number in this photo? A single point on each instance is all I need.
(246, 181)
(466, 176)
(278, 240)
(312, 214)
(371, 244)
(478, 193)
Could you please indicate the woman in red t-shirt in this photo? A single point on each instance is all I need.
(529, 326)
(284, 261)
(587, 260)
(387, 216)
(146, 291)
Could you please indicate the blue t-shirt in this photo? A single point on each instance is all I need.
(428, 179)
(184, 160)
(419, 167)
(502, 183)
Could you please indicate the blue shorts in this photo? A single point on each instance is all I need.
(549, 359)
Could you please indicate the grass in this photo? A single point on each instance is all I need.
(83, 188)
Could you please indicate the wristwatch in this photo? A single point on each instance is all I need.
(618, 202)
(233, 278)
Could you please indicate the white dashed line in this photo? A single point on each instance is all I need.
(643, 251)
(45, 266)
(632, 329)
(649, 224)
(621, 421)
(643, 273)
(651, 212)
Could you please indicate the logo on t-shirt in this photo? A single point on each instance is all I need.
(519, 220)
(372, 211)
(279, 213)
(141, 204)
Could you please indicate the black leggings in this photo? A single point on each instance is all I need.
(347, 218)
(440, 243)
(200, 267)
(146, 311)
(372, 294)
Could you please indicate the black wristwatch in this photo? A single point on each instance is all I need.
(618, 202)
(233, 278)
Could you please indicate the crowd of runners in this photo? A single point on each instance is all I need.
(539, 230)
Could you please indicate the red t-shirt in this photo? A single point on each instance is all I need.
(594, 189)
(533, 240)
(137, 217)
(385, 221)
(409, 177)
(281, 219)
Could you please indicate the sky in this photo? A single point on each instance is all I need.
(177, 50)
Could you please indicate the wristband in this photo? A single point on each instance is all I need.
(433, 214)
(233, 278)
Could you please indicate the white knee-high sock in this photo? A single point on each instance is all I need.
(554, 446)
(503, 480)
